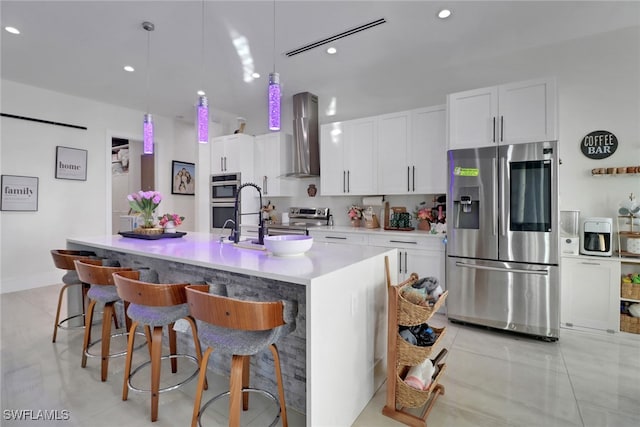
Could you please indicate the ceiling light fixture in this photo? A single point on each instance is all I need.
(202, 116)
(147, 124)
(444, 13)
(12, 30)
(129, 68)
(255, 75)
(332, 50)
(274, 85)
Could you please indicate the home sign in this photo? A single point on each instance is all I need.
(599, 144)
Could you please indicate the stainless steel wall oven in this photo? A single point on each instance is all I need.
(223, 192)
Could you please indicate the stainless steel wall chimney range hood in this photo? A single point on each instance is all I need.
(306, 137)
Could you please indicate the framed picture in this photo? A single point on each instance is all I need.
(183, 178)
(19, 193)
(71, 163)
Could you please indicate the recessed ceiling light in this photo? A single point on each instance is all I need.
(444, 13)
(331, 50)
(201, 93)
(255, 75)
(129, 68)
(12, 30)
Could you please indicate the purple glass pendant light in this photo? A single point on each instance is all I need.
(147, 124)
(202, 109)
(275, 92)
(203, 119)
(274, 101)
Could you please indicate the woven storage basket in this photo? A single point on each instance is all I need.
(630, 290)
(629, 324)
(410, 314)
(149, 231)
(411, 397)
(413, 355)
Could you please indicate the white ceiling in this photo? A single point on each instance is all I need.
(80, 48)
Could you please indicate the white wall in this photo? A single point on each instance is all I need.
(72, 208)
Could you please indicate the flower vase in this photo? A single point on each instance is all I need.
(355, 223)
(424, 225)
(170, 227)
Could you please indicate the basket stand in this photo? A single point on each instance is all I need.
(399, 395)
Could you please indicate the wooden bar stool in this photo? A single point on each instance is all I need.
(242, 328)
(103, 291)
(155, 306)
(63, 259)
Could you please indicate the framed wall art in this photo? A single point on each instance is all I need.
(71, 163)
(183, 178)
(19, 193)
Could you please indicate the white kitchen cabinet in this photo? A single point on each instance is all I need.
(507, 114)
(273, 157)
(590, 293)
(423, 255)
(394, 161)
(348, 157)
(233, 153)
(428, 150)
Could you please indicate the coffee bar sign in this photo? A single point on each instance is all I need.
(599, 144)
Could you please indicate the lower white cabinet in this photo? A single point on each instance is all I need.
(590, 292)
(421, 254)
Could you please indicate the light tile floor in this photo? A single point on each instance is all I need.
(492, 379)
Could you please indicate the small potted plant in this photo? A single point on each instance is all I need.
(355, 215)
(170, 221)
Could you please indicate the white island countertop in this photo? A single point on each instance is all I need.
(205, 250)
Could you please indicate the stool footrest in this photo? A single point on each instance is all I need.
(168, 388)
(119, 354)
(247, 389)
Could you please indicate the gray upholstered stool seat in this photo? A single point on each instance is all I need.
(243, 329)
(103, 294)
(63, 259)
(155, 305)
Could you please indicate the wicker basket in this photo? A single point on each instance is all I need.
(413, 355)
(630, 290)
(149, 231)
(411, 397)
(410, 314)
(629, 324)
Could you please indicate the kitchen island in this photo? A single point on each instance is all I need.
(335, 360)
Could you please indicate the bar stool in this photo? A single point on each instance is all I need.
(242, 328)
(63, 259)
(155, 306)
(103, 291)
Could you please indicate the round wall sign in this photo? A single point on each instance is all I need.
(599, 144)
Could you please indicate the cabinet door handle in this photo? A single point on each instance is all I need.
(403, 241)
(408, 178)
(344, 181)
(414, 178)
(400, 262)
(264, 185)
(405, 263)
(590, 263)
(336, 237)
(501, 128)
(348, 181)
(221, 165)
(493, 138)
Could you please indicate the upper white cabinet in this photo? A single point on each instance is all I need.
(412, 152)
(233, 153)
(506, 114)
(348, 157)
(273, 159)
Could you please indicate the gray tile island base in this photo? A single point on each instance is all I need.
(335, 360)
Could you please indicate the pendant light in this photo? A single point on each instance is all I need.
(202, 109)
(274, 85)
(147, 124)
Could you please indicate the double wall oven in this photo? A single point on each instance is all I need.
(223, 192)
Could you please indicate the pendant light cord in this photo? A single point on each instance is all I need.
(148, 63)
(274, 36)
(202, 50)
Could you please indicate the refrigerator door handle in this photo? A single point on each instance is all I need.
(506, 270)
(503, 208)
(494, 183)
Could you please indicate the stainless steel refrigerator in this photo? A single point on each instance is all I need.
(502, 238)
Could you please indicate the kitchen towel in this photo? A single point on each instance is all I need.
(419, 377)
(372, 201)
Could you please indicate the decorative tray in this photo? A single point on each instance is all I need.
(152, 236)
(400, 228)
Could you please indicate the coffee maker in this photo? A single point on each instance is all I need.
(596, 235)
